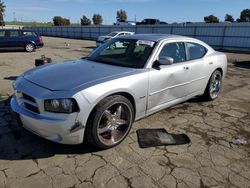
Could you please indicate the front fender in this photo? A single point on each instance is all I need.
(135, 85)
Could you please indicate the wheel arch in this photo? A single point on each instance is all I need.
(207, 85)
(125, 94)
(129, 97)
(219, 69)
(30, 42)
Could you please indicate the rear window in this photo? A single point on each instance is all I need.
(195, 51)
(29, 33)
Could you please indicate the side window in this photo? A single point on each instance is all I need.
(195, 51)
(28, 33)
(2, 33)
(175, 50)
(14, 33)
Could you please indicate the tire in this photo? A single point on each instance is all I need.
(214, 86)
(29, 47)
(110, 122)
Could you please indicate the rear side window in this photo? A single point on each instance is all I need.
(2, 33)
(195, 51)
(29, 33)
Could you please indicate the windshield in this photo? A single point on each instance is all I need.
(123, 52)
(112, 34)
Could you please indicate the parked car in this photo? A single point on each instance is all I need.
(11, 39)
(126, 23)
(102, 39)
(100, 96)
(150, 21)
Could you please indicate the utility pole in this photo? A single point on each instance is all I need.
(14, 17)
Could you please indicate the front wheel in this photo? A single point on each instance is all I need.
(110, 122)
(29, 47)
(214, 86)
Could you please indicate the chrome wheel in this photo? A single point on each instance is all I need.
(29, 47)
(114, 123)
(215, 85)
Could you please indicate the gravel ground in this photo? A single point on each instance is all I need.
(210, 160)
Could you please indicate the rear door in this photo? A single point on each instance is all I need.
(198, 66)
(15, 39)
(29, 36)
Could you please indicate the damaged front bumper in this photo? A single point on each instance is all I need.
(64, 130)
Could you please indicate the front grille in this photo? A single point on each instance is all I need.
(30, 103)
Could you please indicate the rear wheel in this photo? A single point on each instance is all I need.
(29, 47)
(214, 86)
(110, 122)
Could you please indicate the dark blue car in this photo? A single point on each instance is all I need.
(20, 39)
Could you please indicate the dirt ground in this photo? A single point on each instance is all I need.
(12, 64)
(210, 160)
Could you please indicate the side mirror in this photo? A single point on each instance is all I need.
(164, 60)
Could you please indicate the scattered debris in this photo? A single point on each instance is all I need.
(239, 141)
(66, 44)
(159, 137)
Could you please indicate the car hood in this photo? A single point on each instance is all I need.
(74, 75)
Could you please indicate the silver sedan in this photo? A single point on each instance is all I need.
(99, 97)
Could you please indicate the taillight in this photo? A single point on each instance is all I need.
(40, 39)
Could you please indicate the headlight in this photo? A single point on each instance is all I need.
(61, 105)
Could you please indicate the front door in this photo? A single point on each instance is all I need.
(168, 82)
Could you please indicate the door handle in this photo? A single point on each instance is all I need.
(186, 67)
(210, 63)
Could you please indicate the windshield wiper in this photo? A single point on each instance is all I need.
(96, 60)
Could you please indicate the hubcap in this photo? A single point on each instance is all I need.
(114, 124)
(29, 47)
(215, 86)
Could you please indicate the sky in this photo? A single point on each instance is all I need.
(166, 10)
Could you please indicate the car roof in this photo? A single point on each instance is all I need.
(6, 29)
(122, 32)
(161, 37)
(154, 37)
